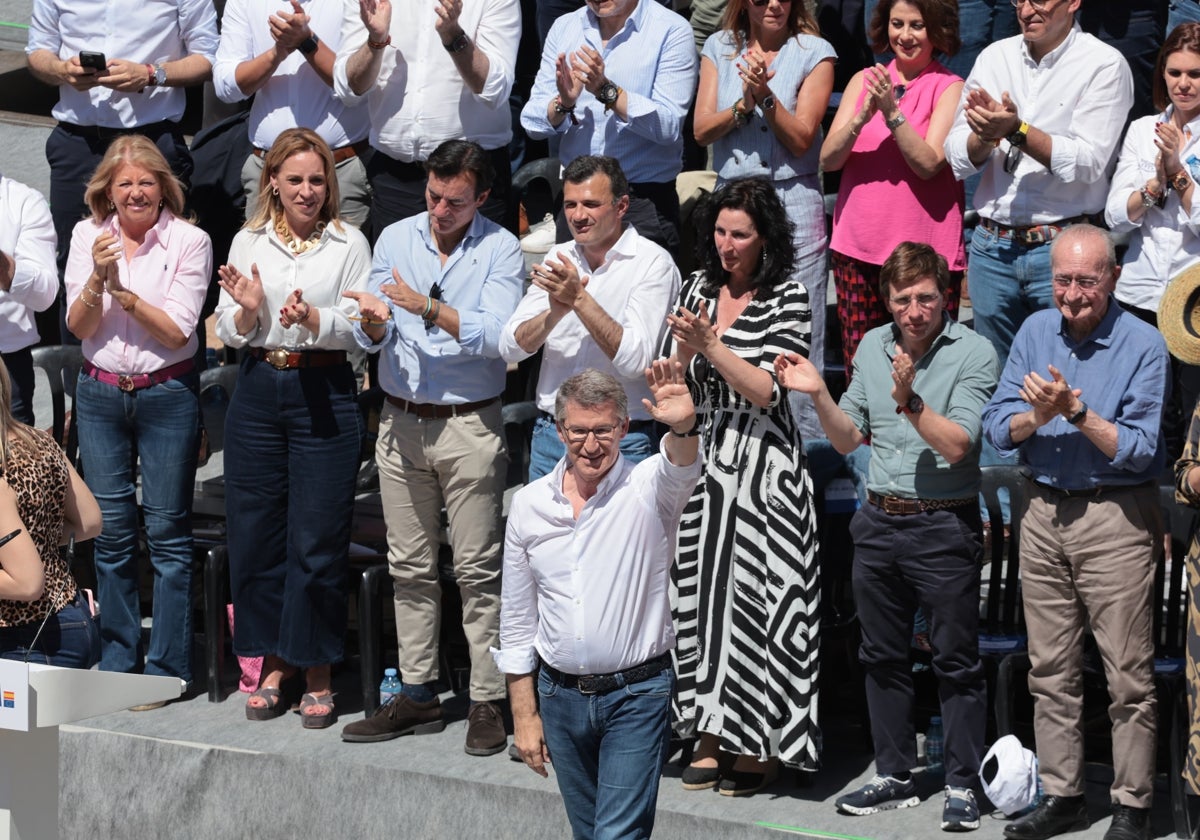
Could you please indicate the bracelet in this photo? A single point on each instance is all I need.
(428, 307)
(692, 432)
(1150, 198)
(132, 303)
(560, 108)
(740, 117)
(307, 312)
(95, 295)
(86, 303)
(9, 537)
(437, 310)
(378, 45)
(895, 122)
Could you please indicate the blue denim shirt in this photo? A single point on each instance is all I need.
(1123, 371)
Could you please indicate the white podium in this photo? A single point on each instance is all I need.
(34, 700)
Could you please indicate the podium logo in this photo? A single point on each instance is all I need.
(10, 700)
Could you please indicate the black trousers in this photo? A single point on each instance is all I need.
(929, 560)
(20, 372)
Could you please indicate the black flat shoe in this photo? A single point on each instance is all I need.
(700, 778)
(743, 783)
(1055, 815)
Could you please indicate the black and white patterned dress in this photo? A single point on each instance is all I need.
(745, 591)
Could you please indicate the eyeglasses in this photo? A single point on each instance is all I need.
(578, 434)
(1064, 281)
(1037, 5)
(435, 293)
(925, 301)
(898, 92)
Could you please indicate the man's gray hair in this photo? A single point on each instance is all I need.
(1083, 230)
(589, 389)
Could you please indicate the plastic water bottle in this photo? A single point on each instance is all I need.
(934, 745)
(390, 686)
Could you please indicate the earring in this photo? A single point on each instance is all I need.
(111, 206)
(275, 191)
(161, 203)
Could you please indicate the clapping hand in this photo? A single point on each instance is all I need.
(752, 70)
(588, 66)
(693, 331)
(672, 404)
(570, 85)
(1169, 140)
(1048, 397)
(290, 29)
(247, 292)
(903, 374)
(295, 310)
(798, 374)
(106, 250)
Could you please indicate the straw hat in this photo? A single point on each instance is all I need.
(1179, 316)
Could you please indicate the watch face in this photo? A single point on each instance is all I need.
(768, 102)
(607, 93)
(915, 404)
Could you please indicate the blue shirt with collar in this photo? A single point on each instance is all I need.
(653, 58)
(482, 280)
(1123, 371)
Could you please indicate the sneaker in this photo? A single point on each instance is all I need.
(399, 716)
(960, 813)
(485, 729)
(541, 236)
(882, 793)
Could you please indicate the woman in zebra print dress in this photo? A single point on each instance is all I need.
(745, 588)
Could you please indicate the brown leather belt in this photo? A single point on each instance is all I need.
(1036, 234)
(431, 411)
(341, 153)
(898, 506)
(136, 381)
(282, 359)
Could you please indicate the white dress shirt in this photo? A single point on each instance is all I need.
(419, 99)
(1165, 240)
(341, 262)
(146, 31)
(591, 595)
(294, 95)
(1079, 94)
(26, 235)
(637, 285)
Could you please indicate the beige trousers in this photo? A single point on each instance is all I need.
(459, 463)
(1092, 560)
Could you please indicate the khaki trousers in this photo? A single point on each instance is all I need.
(1092, 560)
(459, 462)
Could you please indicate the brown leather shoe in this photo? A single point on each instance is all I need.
(399, 716)
(485, 729)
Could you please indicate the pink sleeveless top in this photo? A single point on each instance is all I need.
(882, 202)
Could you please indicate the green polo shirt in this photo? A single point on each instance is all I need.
(955, 378)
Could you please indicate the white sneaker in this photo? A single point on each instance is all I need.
(540, 237)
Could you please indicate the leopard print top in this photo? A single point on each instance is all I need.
(38, 476)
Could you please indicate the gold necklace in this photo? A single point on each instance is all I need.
(294, 244)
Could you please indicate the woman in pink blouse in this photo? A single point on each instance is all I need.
(136, 279)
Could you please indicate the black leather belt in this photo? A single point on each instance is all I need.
(1090, 492)
(434, 411)
(899, 506)
(604, 683)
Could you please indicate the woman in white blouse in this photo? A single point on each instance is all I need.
(1153, 197)
(292, 451)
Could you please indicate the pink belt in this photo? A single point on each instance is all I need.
(135, 381)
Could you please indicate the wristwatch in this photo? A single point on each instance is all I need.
(458, 44)
(1150, 198)
(607, 94)
(1020, 136)
(1077, 418)
(309, 45)
(915, 405)
(1179, 181)
(768, 102)
(159, 78)
(895, 122)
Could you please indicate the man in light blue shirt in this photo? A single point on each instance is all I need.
(1081, 400)
(443, 284)
(616, 79)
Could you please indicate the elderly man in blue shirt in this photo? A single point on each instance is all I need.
(1081, 401)
(616, 79)
(442, 286)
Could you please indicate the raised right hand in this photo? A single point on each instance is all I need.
(377, 17)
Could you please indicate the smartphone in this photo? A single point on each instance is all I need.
(94, 60)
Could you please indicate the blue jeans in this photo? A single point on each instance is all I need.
(157, 425)
(1182, 11)
(1009, 282)
(70, 638)
(289, 491)
(546, 449)
(608, 751)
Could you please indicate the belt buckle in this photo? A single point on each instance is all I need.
(125, 382)
(587, 684)
(278, 358)
(893, 506)
(1035, 235)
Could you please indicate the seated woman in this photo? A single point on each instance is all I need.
(43, 503)
(745, 579)
(291, 456)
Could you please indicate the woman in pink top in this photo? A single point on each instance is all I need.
(136, 279)
(887, 139)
